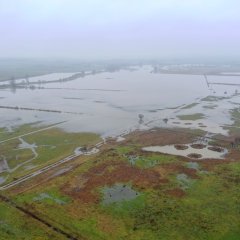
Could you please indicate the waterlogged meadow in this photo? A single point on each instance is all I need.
(29, 148)
(121, 156)
(161, 197)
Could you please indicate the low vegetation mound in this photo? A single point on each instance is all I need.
(180, 147)
(198, 146)
(216, 149)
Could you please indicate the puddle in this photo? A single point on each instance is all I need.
(132, 159)
(2, 180)
(3, 164)
(193, 165)
(142, 161)
(118, 193)
(25, 145)
(43, 196)
(189, 152)
(184, 181)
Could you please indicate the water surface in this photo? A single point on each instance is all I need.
(110, 103)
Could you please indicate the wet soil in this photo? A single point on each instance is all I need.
(108, 174)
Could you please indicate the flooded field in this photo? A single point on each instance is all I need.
(119, 120)
(189, 152)
(41, 116)
(110, 103)
(124, 188)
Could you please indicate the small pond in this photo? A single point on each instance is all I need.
(118, 193)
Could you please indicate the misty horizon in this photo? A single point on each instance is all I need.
(194, 30)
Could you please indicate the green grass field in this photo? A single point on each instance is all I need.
(16, 225)
(191, 117)
(51, 145)
(208, 208)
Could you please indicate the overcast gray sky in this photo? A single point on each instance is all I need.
(98, 29)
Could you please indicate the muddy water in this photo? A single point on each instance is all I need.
(110, 103)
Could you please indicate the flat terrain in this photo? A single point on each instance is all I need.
(155, 196)
(112, 156)
(29, 148)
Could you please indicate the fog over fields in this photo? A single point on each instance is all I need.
(119, 119)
